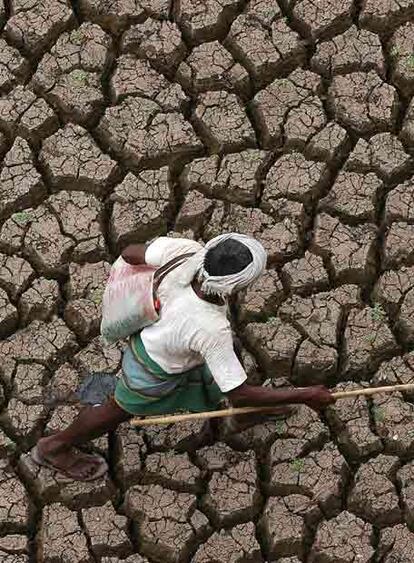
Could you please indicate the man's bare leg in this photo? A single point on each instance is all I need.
(92, 422)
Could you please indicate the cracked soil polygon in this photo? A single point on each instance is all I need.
(15, 274)
(106, 530)
(13, 67)
(349, 249)
(22, 185)
(396, 544)
(302, 429)
(353, 197)
(136, 77)
(397, 250)
(393, 423)
(141, 206)
(263, 50)
(262, 297)
(34, 25)
(374, 495)
(69, 75)
(294, 177)
(41, 301)
(84, 292)
(23, 113)
(354, 50)
(232, 494)
(318, 319)
(236, 545)
(405, 479)
(367, 341)
(343, 539)
(328, 144)
(283, 524)
(401, 53)
(44, 343)
(139, 131)
(375, 15)
(320, 476)
(222, 121)
(159, 42)
(211, 67)
(305, 274)
(363, 102)
(61, 533)
(8, 315)
(172, 471)
(116, 15)
(72, 160)
(13, 549)
(323, 18)
(289, 107)
(382, 154)
(169, 522)
(14, 501)
(205, 20)
(350, 420)
(235, 177)
(274, 344)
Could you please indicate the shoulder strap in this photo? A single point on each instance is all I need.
(169, 266)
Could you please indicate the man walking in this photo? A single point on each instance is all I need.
(184, 361)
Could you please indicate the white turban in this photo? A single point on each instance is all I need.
(225, 285)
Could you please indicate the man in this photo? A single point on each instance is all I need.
(185, 360)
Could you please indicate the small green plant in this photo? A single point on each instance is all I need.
(377, 313)
(370, 338)
(410, 61)
(379, 414)
(298, 464)
(77, 36)
(22, 217)
(395, 51)
(80, 76)
(280, 426)
(96, 296)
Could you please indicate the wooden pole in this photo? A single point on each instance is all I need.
(170, 419)
(373, 391)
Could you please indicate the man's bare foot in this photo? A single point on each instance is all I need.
(68, 460)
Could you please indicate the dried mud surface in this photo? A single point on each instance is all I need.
(292, 121)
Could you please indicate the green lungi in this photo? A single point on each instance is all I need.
(145, 389)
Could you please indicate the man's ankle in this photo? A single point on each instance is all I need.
(53, 444)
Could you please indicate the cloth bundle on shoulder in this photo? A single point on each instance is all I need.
(128, 301)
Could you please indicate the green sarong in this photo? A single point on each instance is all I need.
(144, 388)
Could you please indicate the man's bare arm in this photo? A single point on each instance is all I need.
(134, 254)
(316, 396)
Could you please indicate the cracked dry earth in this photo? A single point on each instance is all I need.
(293, 121)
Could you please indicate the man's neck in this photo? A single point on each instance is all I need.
(215, 299)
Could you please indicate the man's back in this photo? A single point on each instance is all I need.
(190, 331)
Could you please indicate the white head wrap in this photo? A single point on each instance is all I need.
(225, 285)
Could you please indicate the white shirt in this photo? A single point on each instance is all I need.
(190, 331)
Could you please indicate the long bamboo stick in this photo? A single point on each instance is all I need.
(169, 419)
(373, 391)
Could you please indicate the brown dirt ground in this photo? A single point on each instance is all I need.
(292, 121)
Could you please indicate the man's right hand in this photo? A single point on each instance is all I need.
(318, 397)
